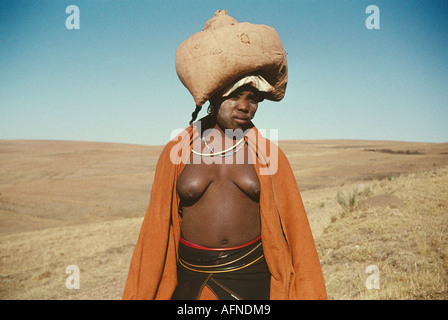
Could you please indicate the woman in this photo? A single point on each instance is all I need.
(220, 248)
(225, 219)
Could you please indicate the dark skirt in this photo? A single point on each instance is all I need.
(238, 273)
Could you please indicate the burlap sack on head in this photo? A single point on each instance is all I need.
(225, 51)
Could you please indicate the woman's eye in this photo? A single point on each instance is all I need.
(253, 98)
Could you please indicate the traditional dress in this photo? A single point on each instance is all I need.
(237, 273)
(288, 247)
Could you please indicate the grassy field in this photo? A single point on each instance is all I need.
(82, 204)
(401, 227)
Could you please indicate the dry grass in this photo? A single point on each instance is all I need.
(33, 264)
(82, 204)
(408, 243)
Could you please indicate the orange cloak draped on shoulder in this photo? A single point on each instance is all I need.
(288, 243)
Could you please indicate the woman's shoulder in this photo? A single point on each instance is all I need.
(179, 141)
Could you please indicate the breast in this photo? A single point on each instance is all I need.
(246, 179)
(196, 179)
(191, 185)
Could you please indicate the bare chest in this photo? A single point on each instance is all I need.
(196, 179)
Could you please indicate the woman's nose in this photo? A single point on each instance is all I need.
(243, 104)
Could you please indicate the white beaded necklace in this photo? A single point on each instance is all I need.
(220, 153)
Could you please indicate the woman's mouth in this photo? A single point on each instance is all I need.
(241, 120)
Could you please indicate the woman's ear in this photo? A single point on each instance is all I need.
(215, 103)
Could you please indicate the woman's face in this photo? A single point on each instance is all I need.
(237, 110)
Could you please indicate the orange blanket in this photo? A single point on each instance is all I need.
(287, 240)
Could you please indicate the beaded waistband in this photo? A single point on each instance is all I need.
(196, 246)
(218, 261)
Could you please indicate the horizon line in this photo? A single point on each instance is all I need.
(161, 145)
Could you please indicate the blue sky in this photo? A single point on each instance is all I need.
(114, 79)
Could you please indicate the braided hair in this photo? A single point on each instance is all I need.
(195, 113)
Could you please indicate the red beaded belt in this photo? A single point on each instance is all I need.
(196, 246)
